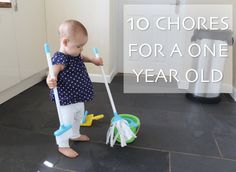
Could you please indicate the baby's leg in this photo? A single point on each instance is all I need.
(76, 124)
(68, 113)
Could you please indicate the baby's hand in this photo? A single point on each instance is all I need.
(52, 83)
(98, 61)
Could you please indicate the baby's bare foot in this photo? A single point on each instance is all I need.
(68, 152)
(82, 138)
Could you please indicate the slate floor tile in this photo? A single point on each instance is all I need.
(188, 163)
(223, 123)
(176, 131)
(227, 145)
(27, 146)
(100, 157)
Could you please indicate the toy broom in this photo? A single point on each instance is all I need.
(64, 131)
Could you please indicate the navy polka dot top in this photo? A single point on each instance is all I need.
(73, 83)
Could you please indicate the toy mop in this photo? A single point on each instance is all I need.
(88, 119)
(64, 131)
(124, 127)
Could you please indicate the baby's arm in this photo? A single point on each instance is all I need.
(52, 82)
(94, 60)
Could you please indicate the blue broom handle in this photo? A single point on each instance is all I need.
(95, 51)
(52, 75)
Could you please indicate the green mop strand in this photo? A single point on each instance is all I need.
(124, 131)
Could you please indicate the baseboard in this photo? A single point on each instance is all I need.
(233, 94)
(21, 86)
(182, 84)
(227, 88)
(98, 78)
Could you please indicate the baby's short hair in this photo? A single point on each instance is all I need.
(71, 27)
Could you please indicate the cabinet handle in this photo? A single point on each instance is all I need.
(14, 5)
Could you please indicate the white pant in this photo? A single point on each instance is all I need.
(71, 115)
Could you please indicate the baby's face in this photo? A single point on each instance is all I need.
(76, 44)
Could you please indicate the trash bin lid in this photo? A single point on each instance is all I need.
(222, 35)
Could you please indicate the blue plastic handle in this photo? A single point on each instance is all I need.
(95, 51)
(46, 48)
(84, 117)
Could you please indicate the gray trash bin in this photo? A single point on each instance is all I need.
(208, 92)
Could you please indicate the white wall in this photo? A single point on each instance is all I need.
(114, 36)
(95, 15)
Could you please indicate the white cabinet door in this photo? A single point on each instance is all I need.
(30, 31)
(9, 68)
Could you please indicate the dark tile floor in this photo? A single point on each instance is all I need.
(176, 135)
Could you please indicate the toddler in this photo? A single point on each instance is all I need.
(72, 80)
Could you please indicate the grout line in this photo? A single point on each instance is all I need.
(218, 147)
(176, 152)
(190, 154)
(153, 149)
(67, 170)
(229, 159)
(169, 162)
(197, 155)
(206, 156)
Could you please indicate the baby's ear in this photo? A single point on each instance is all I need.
(65, 41)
